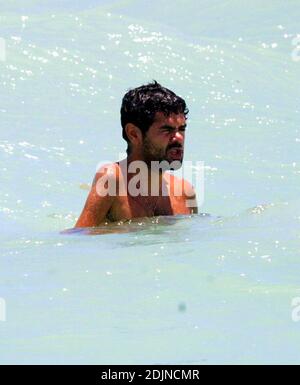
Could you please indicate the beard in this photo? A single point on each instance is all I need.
(152, 153)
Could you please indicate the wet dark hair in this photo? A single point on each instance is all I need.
(139, 106)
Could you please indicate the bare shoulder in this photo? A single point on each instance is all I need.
(101, 196)
(109, 170)
(180, 183)
(183, 188)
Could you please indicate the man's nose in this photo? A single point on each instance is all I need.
(178, 137)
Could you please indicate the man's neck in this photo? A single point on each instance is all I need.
(155, 177)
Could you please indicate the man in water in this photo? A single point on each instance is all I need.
(153, 119)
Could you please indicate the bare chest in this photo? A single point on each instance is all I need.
(128, 207)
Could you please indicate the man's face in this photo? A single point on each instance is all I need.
(164, 141)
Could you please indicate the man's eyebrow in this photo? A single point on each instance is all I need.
(171, 127)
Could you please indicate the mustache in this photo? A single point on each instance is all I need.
(175, 145)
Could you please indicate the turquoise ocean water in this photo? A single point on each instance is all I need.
(197, 290)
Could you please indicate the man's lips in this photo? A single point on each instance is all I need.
(175, 153)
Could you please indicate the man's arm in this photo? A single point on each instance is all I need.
(98, 203)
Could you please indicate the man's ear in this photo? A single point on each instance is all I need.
(134, 134)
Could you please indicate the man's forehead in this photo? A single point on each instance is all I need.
(172, 119)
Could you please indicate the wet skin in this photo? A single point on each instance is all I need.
(163, 141)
